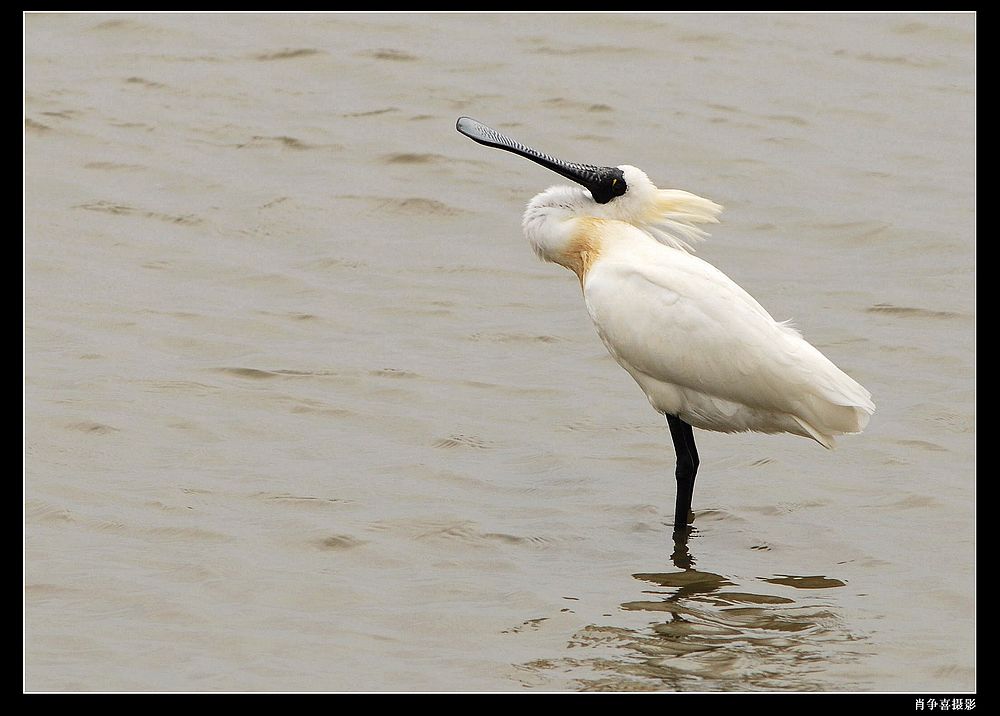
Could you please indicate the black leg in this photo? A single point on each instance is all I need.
(687, 468)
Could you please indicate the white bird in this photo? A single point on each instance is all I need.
(705, 353)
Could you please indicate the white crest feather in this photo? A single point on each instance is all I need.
(673, 216)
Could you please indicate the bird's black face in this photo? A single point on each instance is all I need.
(609, 184)
(604, 183)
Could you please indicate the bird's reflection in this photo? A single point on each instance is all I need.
(711, 633)
(687, 584)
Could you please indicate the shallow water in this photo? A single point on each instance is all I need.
(303, 412)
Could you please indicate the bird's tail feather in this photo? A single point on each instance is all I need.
(826, 441)
(824, 418)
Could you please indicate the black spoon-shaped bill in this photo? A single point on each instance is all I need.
(604, 183)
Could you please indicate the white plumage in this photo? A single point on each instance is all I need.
(698, 345)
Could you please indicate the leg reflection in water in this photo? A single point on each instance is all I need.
(720, 632)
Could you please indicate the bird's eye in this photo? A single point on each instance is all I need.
(613, 182)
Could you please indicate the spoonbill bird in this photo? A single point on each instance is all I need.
(705, 353)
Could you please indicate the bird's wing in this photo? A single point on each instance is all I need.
(679, 320)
